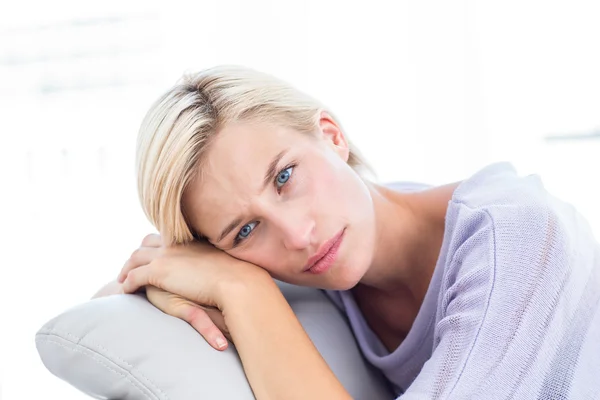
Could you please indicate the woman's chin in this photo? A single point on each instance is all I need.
(342, 278)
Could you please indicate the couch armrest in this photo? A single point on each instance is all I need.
(122, 347)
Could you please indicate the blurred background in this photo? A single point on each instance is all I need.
(431, 91)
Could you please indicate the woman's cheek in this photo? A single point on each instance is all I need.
(262, 252)
(294, 188)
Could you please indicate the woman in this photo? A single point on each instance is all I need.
(485, 288)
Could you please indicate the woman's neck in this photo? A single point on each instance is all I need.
(409, 234)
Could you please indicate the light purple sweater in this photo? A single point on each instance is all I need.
(512, 310)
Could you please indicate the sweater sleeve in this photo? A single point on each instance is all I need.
(507, 304)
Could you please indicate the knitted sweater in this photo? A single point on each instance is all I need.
(512, 309)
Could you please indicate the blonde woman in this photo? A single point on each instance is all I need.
(481, 289)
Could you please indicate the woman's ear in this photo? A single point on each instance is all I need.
(333, 135)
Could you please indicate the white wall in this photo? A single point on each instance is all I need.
(429, 90)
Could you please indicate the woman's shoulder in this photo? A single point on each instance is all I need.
(516, 204)
(500, 185)
(495, 184)
(496, 192)
(497, 212)
(507, 218)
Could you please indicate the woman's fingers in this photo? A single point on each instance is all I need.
(136, 278)
(191, 313)
(141, 256)
(217, 317)
(152, 240)
(200, 321)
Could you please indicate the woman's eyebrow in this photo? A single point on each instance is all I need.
(269, 177)
(229, 228)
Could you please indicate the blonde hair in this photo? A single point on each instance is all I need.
(180, 125)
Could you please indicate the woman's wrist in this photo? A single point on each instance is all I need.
(236, 292)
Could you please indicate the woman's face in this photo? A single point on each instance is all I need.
(279, 199)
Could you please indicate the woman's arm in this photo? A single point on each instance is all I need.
(279, 359)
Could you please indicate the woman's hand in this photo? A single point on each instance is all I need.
(185, 281)
(196, 271)
(208, 322)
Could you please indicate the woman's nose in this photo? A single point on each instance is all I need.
(297, 230)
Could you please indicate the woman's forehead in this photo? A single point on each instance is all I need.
(240, 140)
(241, 153)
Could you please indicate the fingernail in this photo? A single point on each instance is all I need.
(221, 343)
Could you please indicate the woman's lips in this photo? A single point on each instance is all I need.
(323, 263)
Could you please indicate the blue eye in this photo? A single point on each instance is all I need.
(283, 177)
(245, 232)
